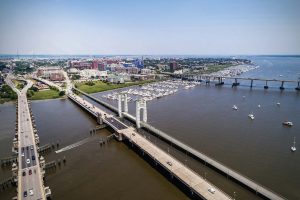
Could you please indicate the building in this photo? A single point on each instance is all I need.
(146, 71)
(93, 74)
(81, 65)
(51, 73)
(132, 70)
(173, 66)
(115, 79)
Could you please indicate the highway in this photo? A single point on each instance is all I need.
(30, 181)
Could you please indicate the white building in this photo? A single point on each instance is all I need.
(93, 73)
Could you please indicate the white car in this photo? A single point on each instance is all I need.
(28, 161)
(22, 154)
(31, 192)
(211, 190)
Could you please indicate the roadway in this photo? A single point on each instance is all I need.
(30, 181)
(191, 179)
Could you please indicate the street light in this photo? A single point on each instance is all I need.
(234, 195)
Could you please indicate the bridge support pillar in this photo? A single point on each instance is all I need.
(282, 87)
(120, 105)
(125, 103)
(266, 86)
(99, 119)
(140, 104)
(15, 172)
(298, 87)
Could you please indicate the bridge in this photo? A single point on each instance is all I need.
(219, 80)
(197, 184)
(239, 178)
(28, 173)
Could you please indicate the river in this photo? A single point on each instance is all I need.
(201, 117)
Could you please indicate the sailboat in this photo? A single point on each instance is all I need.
(293, 148)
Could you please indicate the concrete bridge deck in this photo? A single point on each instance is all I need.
(243, 180)
(29, 176)
(195, 182)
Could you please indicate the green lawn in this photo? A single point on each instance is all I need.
(19, 84)
(45, 94)
(101, 86)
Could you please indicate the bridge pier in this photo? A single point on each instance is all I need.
(298, 87)
(281, 87)
(120, 105)
(125, 103)
(235, 83)
(99, 119)
(266, 86)
(220, 81)
(140, 104)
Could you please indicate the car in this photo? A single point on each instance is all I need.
(24, 173)
(28, 161)
(169, 163)
(33, 157)
(30, 172)
(31, 147)
(27, 147)
(22, 154)
(31, 192)
(211, 190)
(25, 193)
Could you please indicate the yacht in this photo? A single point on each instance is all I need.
(293, 148)
(287, 123)
(234, 107)
(251, 116)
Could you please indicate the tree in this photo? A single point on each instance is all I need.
(62, 93)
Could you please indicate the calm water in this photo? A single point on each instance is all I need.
(201, 117)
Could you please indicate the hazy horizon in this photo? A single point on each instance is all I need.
(194, 27)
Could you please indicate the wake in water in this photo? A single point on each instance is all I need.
(71, 146)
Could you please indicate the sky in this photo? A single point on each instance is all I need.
(150, 27)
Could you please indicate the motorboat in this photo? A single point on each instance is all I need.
(234, 107)
(293, 148)
(258, 105)
(251, 116)
(287, 123)
(278, 104)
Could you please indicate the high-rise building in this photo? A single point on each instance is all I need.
(173, 66)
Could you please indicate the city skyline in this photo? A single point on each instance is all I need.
(150, 28)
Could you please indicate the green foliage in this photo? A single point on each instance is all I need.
(75, 77)
(30, 93)
(7, 92)
(90, 83)
(22, 67)
(62, 93)
(33, 88)
(100, 86)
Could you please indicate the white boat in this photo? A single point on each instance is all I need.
(258, 105)
(278, 104)
(234, 107)
(287, 123)
(251, 116)
(293, 148)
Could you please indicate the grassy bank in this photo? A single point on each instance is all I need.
(19, 84)
(44, 94)
(100, 86)
(216, 68)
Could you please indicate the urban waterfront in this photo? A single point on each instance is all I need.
(201, 117)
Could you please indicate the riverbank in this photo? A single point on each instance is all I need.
(100, 86)
(44, 94)
(7, 94)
